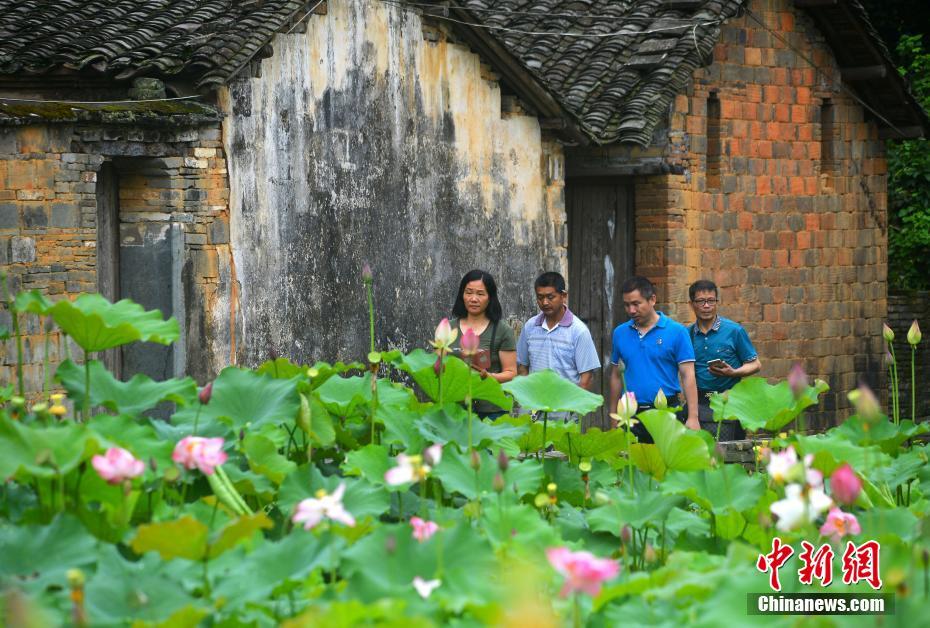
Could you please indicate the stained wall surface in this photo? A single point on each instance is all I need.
(365, 141)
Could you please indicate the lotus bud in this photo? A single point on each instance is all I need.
(444, 335)
(913, 334)
(502, 461)
(75, 578)
(649, 554)
(797, 379)
(887, 333)
(865, 403)
(845, 485)
(205, 393)
(660, 401)
(626, 406)
(498, 483)
(887, 359)
(432, 454)
(367, 276)
(470, 342)
(437, 365)
(626, 534)
(475, 460)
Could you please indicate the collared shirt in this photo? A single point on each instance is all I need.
(725, 340)
(567, 348)
(651, 360)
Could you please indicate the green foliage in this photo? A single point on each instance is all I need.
(173, 547)
(909, 183)
(545, 391)
(96, 324)
(756, 404)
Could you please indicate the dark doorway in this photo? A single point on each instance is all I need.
(600, 257)
(138, 257)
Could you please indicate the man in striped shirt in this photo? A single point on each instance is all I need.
(555, 338)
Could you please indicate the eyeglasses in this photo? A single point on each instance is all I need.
(547, 298)
(703, 302)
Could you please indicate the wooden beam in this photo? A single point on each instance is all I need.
(906, 132)
(864, 73)
(552, 123)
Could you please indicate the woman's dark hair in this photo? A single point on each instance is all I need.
(494, 311)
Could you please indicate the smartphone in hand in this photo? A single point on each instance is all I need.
(716, 362)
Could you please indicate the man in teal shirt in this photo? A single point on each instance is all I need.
(723, 355)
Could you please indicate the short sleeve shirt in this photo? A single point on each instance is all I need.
(726, 340)
(651, 360)
(567, 348)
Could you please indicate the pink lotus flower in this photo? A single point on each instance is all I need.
(840, 524)
(583, 571)
(470, 342)
(422, 530)
(432, 454)
(845, 485)
(117, 465)
(198, 452)
(797, 379)
(425, 587)
(312, 511)
(444, 336)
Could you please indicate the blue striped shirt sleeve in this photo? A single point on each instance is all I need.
(523, 349)
(586, 358)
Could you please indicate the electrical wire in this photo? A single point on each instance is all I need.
(297, 23)
(95, 102)
(625, 32)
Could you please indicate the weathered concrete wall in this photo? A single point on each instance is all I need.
(798, 246)
(362, 141)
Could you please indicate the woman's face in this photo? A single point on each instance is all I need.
(476, 297)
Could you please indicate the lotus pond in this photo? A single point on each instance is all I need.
(366, 493)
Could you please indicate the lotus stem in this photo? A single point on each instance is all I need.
(913, 384)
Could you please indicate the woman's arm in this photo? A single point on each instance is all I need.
(508, 366)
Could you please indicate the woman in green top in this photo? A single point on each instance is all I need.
(478, 308)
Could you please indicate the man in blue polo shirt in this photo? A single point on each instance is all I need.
(556, 339)
(655, 352)
(723, 352)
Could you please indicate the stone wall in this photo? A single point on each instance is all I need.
(903, 308)
(375, 137)
(169, 180)
(796, 243)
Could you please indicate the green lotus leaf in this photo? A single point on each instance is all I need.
(681, 449)
(32, 301)
(264, 458)
(240, 529)
(457, 475)
(123, 591)
(756, 404)
(95, 324)
(181, 538)
(592, 444)
(639, 510)
(468, 566)
(450, 424)
(240, 398)
(139, 394)
(39, 555)
(546, 391)
(719, 489)
(43, 452)
(455, 379)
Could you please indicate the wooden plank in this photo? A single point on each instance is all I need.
(864, 73)
(108, 248)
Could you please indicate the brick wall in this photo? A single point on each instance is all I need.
(48, 212)
(903, 308)
(798, 247)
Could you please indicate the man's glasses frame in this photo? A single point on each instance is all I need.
(704, 302)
